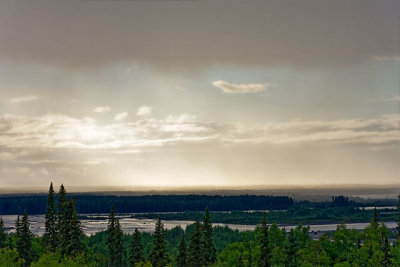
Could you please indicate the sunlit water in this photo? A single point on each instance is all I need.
(128, 224)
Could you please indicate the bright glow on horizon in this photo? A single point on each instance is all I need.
(186, 101)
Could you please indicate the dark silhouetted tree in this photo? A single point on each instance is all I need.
(375, 220)
(3, 235)
(291, 250)
(77, 245)
(386, 260)
(18, 227)
(398, 219)
(209, 251)
(62, 202)
(70, 234)
(158, 255)
(181, 259)
(265, 256)
(136, 253)
(114, 239)
(50, 235)
(24, 240)
(195, 250)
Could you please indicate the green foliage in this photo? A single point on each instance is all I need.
(70, 234)
(3, 235)
(299, 213)
(313, 255)
(136, 253)
(158, 255)
(48, 259)
(266, 246)
(114, 240)
(195, 250)
(265, 249)
(398, 218)
(24, 240)
(10, 258)
(50, 236)
(234, 255)
(181, 260)
(208, 248)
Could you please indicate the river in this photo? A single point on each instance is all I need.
(94, 223)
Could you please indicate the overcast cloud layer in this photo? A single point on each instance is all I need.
(192, 34)
(187, 93)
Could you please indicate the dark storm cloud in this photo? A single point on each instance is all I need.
(192, 34)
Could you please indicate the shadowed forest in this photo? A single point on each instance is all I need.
(200, 244)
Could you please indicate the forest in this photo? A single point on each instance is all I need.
(36, 204)
(200, 244)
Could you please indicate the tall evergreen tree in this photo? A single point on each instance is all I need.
(136, 253)
(181, 259)
(159, 255)
(265, 256)
(50, 235)
(3, 235)
(114, 239)
(76, 243)
(291, 260)
(24, 241)
(62, 202)
(375, 220)
(18, 228)
(62, 198)
(195, 250)
(398, 218)
(209, 251)
(70, 233)
(386, 260)
(110, 235)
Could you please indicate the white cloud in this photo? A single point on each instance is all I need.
(102, 109)
(395, 98)
(26, 134)
(121, 116)
(240, 88)
(144, 111)
(25, 98)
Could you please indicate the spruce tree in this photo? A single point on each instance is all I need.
(118, 244)
(62, 198)
(50, 235)
(265, 256)
(76, 243)
(195, 251)
(398, 218)
(110, 235)
(70, 233)
(375, 220)
(158, 255)
(114, 239)
(24, 241)
(136, 248)
(18, 228)
(386, 260)
(181, 259)
(291, 250)
(63, 226)
(61, 219)
(209, 251)
(3, 235)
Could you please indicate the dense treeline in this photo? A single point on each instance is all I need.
(36, 204)
(200, 244)
(151, 203)
(294, 215)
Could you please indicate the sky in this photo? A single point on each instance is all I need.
(199, 93)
